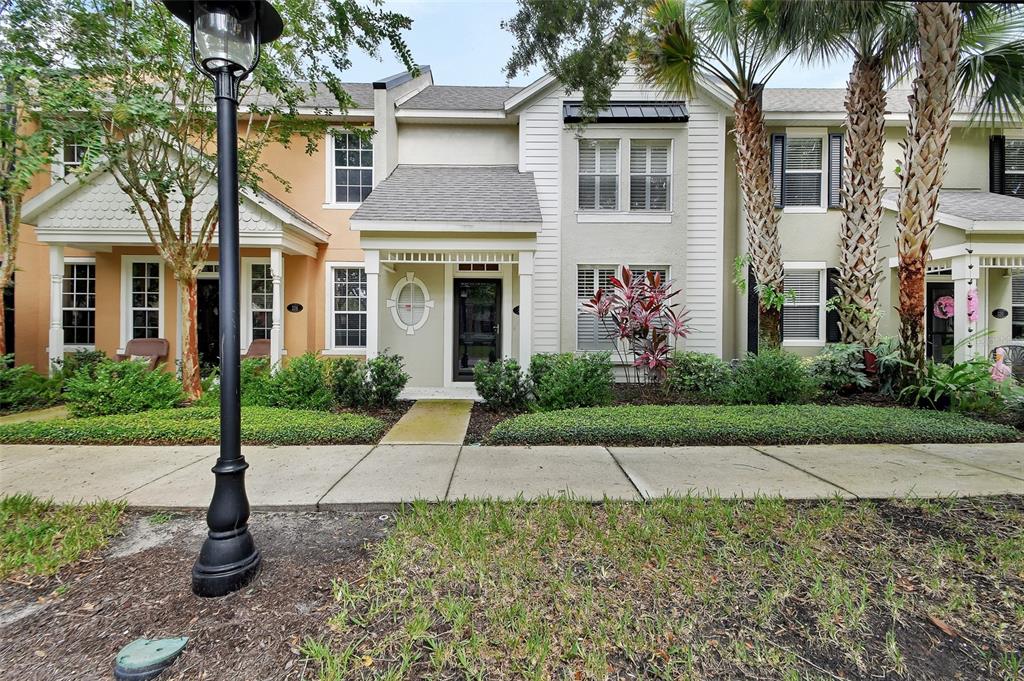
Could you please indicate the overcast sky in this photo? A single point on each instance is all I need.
(464, 44)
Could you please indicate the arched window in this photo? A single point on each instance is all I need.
(410, 304)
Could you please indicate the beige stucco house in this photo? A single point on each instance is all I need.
(478, 219)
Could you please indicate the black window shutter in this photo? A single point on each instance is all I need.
(752, 312)
(997, 164)
(778, 165)
(831, 316)
(835, 168)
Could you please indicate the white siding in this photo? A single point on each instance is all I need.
(540, 131)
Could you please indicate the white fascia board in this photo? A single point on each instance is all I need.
(536, 87)
(461, 114)
(455, 243)
(943, 218)
(453, 226)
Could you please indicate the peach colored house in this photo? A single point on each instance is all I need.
(479, 218)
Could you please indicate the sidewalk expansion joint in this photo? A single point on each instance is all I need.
(343, 476)
(161, 477)
(928, 452)
(451, 478)
(806, 472)
(639, 494)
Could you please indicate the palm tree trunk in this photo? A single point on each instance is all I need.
(860, 272)
(190, 376)
(939, 25)
(753, 163)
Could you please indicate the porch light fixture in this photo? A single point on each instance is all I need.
(226, 41)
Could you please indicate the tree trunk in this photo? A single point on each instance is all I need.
(860, 271)
(190, 377)
(753, 163)
(3, 328)
(939, 26)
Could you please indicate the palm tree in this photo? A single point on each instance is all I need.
(724, 42)
(971, 52)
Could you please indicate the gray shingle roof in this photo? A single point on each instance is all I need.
(422, 193)
(975, 205)
(829, 100)
(460, 98)
(321, 97)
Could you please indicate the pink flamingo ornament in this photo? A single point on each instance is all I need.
(1000, 371)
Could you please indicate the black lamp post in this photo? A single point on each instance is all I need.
(226, 39)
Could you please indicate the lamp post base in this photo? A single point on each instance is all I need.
(227, 562)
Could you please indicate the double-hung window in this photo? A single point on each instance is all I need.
(591, 333)
(79, 303)
(68, 158)
(598, 174)
(804, 169)
(803, 314)
(352, 168)
(1018, 306)
(261, 301)
(144, 301)
(649, 178)
(348, 307)
(1014, 169)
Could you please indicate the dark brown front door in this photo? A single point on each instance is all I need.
(940, 331)
(477, 324)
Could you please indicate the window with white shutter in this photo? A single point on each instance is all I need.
(803, 312)
(1018, 306)
(590, 332)
(599, 175)
(649, 174)
(804, 171)
(1014, 168)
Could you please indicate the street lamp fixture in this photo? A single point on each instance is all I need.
(226, 41)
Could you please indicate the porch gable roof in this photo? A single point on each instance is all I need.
(972, 210)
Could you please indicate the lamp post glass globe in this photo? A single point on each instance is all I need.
(225, 37)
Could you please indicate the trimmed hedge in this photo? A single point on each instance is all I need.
(743, 425)
(200, 425)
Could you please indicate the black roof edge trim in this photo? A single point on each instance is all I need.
(398, 78)
(605, 115)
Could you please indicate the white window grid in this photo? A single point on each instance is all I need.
(79, 304)
(261, 301)
(1013, 169)
(352, 166)
(805, 170)
(349, 307)
(144, 300)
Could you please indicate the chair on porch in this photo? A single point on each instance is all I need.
(1013, 357)
(258, 348)
(153, 349)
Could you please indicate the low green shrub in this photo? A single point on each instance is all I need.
(771, 377)
(678, 425)
(81, 360)
(889, 365)
(839, 368)
(301, 383)
(697, 372)
(502, 384)
(350, 382)
(21, 387)
(967, 387)
(568, 380)
(201, 425)
(121, 388)
(387, 378)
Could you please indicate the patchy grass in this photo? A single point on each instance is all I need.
(201, 425)
(744, 425)
(687, 589)
(38, 538)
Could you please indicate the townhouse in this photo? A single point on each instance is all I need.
(478, 219)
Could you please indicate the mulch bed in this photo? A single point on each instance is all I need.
(71, 627)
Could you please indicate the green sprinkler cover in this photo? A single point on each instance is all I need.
(144, 655)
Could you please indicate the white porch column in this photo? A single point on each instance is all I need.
(525, 308)
(372, 266)
(964, 277)
(55, 346)
(277, 307)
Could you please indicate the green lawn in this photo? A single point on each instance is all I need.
(200, 425)
(743, 425)
(40, 537)
(686, 589)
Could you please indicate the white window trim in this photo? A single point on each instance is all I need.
(70, 347)
(410, 279)
(126, 278)
(1018, 137)
(618, 178)
(804, 133)
(58, 166)
(247, 308)
(579, 302)
(810, 266)
(651, 212)
(371, 308)
(329, 188)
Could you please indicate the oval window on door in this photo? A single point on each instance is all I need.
(410, 304)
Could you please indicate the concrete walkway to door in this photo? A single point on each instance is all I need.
(432, 422)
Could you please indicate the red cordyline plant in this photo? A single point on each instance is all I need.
(639, 315)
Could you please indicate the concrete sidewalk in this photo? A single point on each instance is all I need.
(366, 477)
